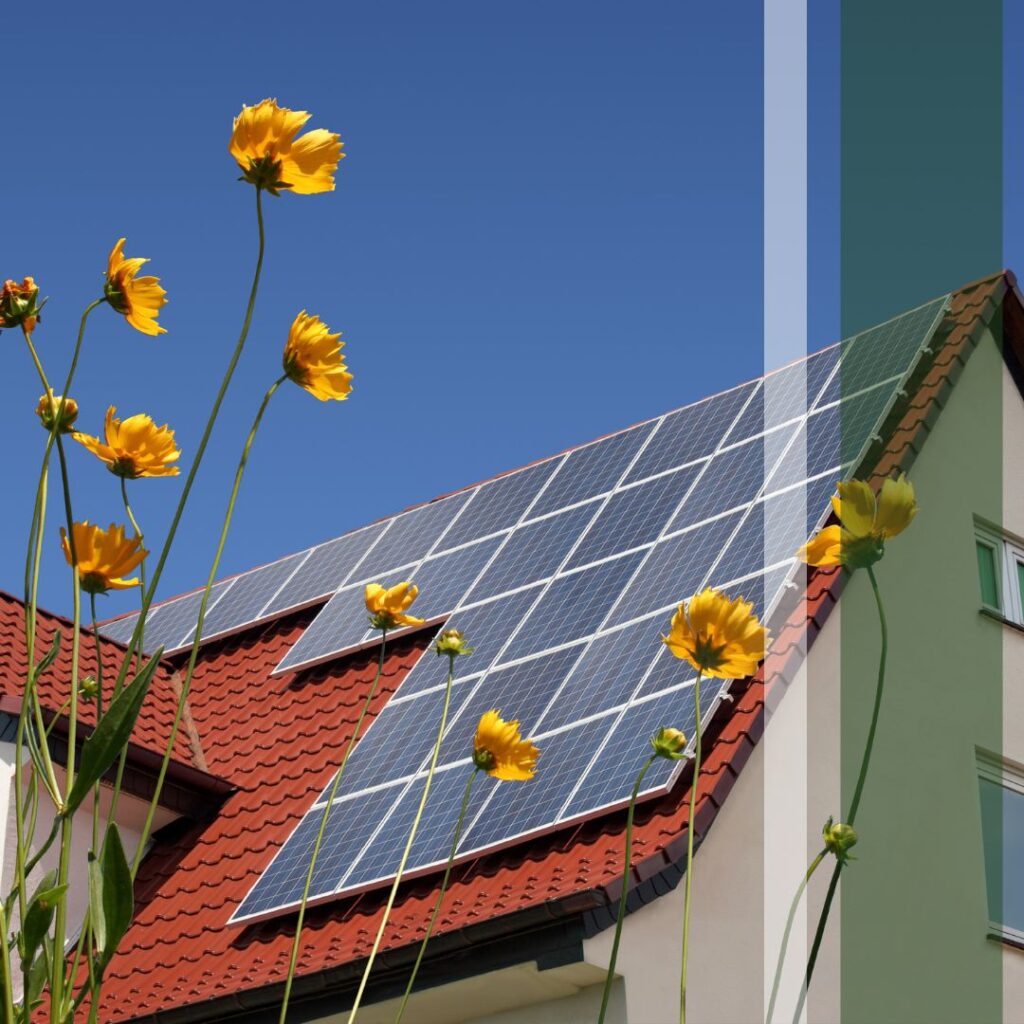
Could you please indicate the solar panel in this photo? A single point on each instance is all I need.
(563, 575)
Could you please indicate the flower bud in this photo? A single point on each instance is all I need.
(88, 688)
(20, 305)
(452, 643)
(838, 839)
(49, 412)
(669, 743)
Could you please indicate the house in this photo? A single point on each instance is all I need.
(930, 924)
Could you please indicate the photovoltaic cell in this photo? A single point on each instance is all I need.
(411, 536)
(500, 504)
(444, 579)
(608, 673)
(245, 600)
(673, 569)
(691, 433)
(433, 837)
(733, 478)
(121, 629)
(169, 624)
(634, 517)
(349, 826)
(534, 551)
(627, 747)
(592, 470)
(574, 605)
(326, 569)
(488, 626)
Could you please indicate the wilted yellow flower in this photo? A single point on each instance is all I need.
(264, 145)
(839, 838)
(718, 636)
(104, 557)
(387, 607)
(669, 743)
(138, 299)
(134, 447)
(865, 524)
(452, 643)
(20, 305)
(49, 411)
(499, 750)
(313, 359)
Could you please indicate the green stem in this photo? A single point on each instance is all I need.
(858, 792)
(628, 861)
(36, 362)
(99, 715)
(440, 895)
(147, 598)
(197, 638)
(777, 980)
(297, 940)
(66, 822)
(5, 967)
(689, 852)
(408, 844)
(142, 567)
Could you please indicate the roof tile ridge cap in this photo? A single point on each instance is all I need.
(195, 742)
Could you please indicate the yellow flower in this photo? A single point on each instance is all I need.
(313, 359)
(48, 410)
(387, 607)
(499, 750)
(669, 743)
(452, 643)
(104, 557)
(138, 299)
(20, 305)
(264, 145)
(865, 524)
(719, 637)
(134, 447)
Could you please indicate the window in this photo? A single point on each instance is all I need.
(1002, 824)
(1000, 572)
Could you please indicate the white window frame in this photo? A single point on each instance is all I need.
(1009, 554)
(1009, 775)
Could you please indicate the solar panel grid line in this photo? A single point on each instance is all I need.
(542, 590)
(211, 604)
(284, 583)
(627, 584)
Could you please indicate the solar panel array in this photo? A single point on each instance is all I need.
(562, 576)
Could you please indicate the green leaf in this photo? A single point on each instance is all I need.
(39, 975)
(102, 748)
(50, 657)
(111, 898)
(39, 915)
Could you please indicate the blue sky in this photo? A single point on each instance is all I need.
(548, 226)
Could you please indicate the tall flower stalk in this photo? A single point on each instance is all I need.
(501, 752)
(857, 541)
(721, 638)
(449, 644)
(670, 744)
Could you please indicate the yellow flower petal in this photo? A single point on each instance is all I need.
(103, 557)
(856, 507)
(897, 506)
(825, 548)
(499, 749)
(140, 299)
(134, 447)
(312, 358)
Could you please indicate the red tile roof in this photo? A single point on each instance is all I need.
(279, 741)
(154, 726)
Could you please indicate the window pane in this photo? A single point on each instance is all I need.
(987, 574)
(1020, 581)
(1002, 817)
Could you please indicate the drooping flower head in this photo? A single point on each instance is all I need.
(452, 643)
(838, 839)
(20, 305)
(138, 299)
(313, 359)
(49, 412)
(500, 750)
(865, 523)
(104, 557)
(264, 145)
(134, 447)
(718, 636)
(669, 743)
(387, 606)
